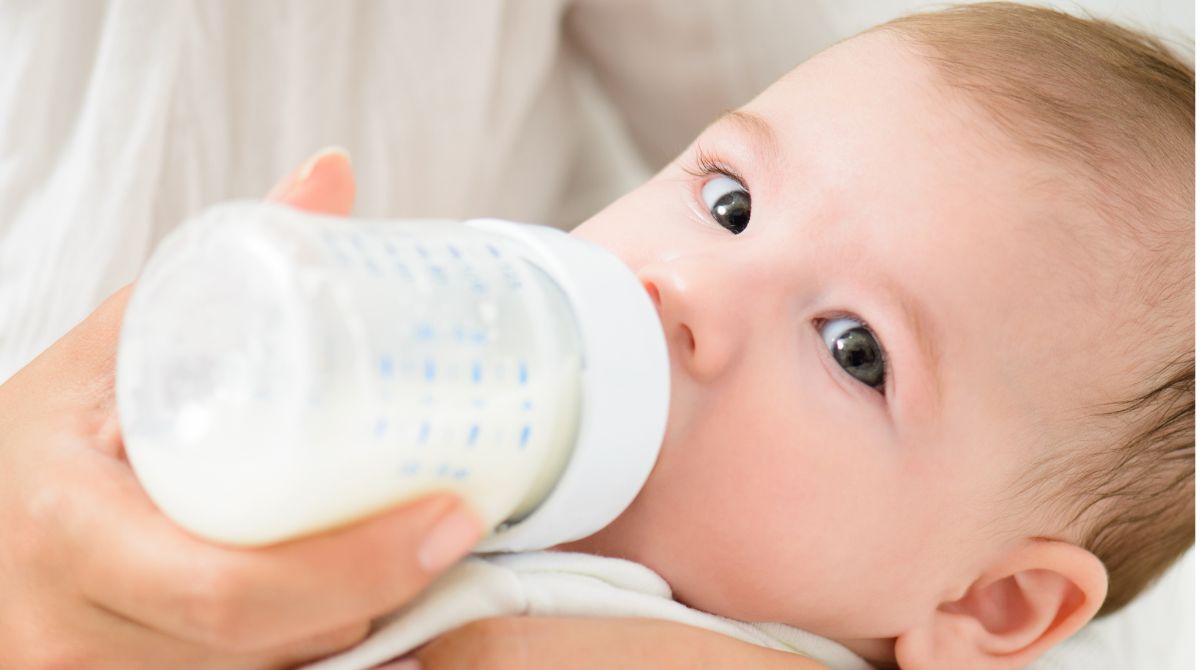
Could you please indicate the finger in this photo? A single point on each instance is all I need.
(533, 643)
(323, 184)
(108, 640)
(135, 562)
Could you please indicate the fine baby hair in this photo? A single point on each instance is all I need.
(1113, 109)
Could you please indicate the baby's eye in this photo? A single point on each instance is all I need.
(855, 348)
(728, 202)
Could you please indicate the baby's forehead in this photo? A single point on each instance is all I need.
(877, 97)
(1004, 243)
(876, 101)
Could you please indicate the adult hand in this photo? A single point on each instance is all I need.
(94, 576)
(532, 643)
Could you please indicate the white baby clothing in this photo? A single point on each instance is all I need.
(561, 584)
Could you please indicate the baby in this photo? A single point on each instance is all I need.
(914, 295)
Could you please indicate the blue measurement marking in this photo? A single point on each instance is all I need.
(422, 252)
(476, 372)
(381, 427)
(522, 373)
(423, 331)
(439, 275)
(453, 251)
(356, 239)
(459, 474)
(527, 405)
(510, 274)
(424, 434)
(458, 333)
(410, 468)
(385, 366)
(443, 470)
(493, 250)
(430, 370)
(479, 337)
(389, 247)
(472, 279)
(372, 267)
(524, 436)
(473, 435)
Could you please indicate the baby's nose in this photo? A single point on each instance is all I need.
(696, 316)
(653, 291)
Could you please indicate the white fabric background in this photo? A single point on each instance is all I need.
(119, 118)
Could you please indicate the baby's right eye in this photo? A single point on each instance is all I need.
(728, 202)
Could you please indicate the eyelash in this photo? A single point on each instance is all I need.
(708, 164)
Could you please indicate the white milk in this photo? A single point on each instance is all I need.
(281, 373)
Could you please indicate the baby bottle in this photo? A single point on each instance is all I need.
(280, 373)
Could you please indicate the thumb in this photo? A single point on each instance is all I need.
(323, 184)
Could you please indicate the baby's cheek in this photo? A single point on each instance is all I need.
(791, 531)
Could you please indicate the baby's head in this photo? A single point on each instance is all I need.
(1001, 199)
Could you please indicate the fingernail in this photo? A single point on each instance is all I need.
(451, 538)
(306, 169)
(300, 175)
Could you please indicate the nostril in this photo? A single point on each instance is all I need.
(691, 340)
(653, 291)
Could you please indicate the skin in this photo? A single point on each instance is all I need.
(786, 490)
(94, 576)
(789, 491)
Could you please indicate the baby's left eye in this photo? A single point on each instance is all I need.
(728, 202)
(856, 350)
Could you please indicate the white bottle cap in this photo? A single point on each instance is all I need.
(625, 390)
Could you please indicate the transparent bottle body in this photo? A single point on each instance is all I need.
(286, 374)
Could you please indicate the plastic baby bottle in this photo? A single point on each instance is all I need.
(280, 373)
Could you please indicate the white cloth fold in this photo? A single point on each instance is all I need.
(561, 584)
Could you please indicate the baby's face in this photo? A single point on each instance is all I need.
(863, 369)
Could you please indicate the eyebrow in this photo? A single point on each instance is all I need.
(766, 144)
(761, 133)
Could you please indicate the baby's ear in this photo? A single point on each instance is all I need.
(1032, 598)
